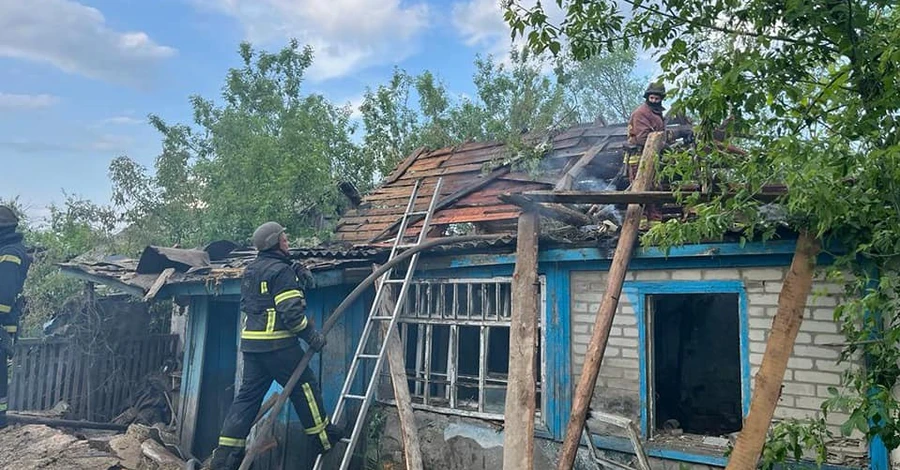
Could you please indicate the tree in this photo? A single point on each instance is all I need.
(77, 228)
(812, 90)
(267, 152)
(529, 93)
(603, 87)
(510, 99)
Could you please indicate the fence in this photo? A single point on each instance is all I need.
(97, 382)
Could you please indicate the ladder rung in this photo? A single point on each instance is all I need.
(381, 318)
(345, 440)
(407, 245)
(394, 281)
(416, 213)
(368, 356)
(355, 397)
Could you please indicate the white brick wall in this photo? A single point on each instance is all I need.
(811, 369)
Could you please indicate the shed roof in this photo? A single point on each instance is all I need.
(474, 175)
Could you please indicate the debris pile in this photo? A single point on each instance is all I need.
(42, 447)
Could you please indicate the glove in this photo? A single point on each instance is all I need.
(6, 344)
(314, 338)
(304, 276)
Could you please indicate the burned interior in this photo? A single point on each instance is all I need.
(696, 363)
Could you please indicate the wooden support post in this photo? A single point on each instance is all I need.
(785, 326)
(615, 277)
(409, 432)
(518, 442)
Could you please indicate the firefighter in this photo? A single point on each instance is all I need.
(274, 304)
(14, 263)
(647, 118)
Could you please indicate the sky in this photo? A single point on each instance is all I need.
(78, 78)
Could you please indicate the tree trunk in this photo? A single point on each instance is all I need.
(518, 442)
(785, 326)
(616, 276)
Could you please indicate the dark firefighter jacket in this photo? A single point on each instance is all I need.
(14, 263)
(273, 303)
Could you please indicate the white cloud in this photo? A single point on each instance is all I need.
(347, 35)
(76, 39)
(480, 23)
(10, 101)
(123, 120)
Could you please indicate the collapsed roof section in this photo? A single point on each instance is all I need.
(476, 175)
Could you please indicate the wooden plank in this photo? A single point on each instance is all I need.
(447, 201)
(409, 432)
(403, 166)
(195, 347)
(785, 326)
(569, 177)
(60, 373)
(69, 386)
(552, 211)
(42, 377)
(159, 283)
(518, 442)
(615, 278)
(633, 197)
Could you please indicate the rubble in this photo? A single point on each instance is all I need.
(42, 447)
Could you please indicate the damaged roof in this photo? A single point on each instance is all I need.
(137, 277)
(474, 175)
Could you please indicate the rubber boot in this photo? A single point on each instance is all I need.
(226, 458)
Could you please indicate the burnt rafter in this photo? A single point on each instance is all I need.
(638, 197)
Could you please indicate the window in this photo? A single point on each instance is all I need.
(695, 366)
(455, 336)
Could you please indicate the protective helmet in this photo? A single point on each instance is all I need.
(8, 217)
(265, 237)
(656, 88)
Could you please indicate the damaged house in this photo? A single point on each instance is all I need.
(687, 339)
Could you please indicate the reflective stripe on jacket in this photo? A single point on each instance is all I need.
(273, 304)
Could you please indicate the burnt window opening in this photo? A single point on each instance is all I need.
(455, 336)
(696, 363)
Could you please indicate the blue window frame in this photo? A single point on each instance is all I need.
(638, 292)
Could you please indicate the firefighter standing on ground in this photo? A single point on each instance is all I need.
(14, 263)
(274, 305)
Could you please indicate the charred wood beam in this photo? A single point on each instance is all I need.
(64, 423)
(636, 197)
(569, 178)
(551, 211)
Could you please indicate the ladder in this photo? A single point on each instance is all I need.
(371, 333)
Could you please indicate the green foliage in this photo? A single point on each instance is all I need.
(76, 228)
(603, 86)
(792, 440)
(812, 91)
(268, 152)
(511, 99)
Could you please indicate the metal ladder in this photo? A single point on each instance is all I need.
(376, 318)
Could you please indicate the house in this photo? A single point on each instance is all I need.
(686, 343)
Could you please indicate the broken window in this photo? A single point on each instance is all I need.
(455, 335)
(695, 367)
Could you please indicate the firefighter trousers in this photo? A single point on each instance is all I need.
(4, 388)
(260, 369)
